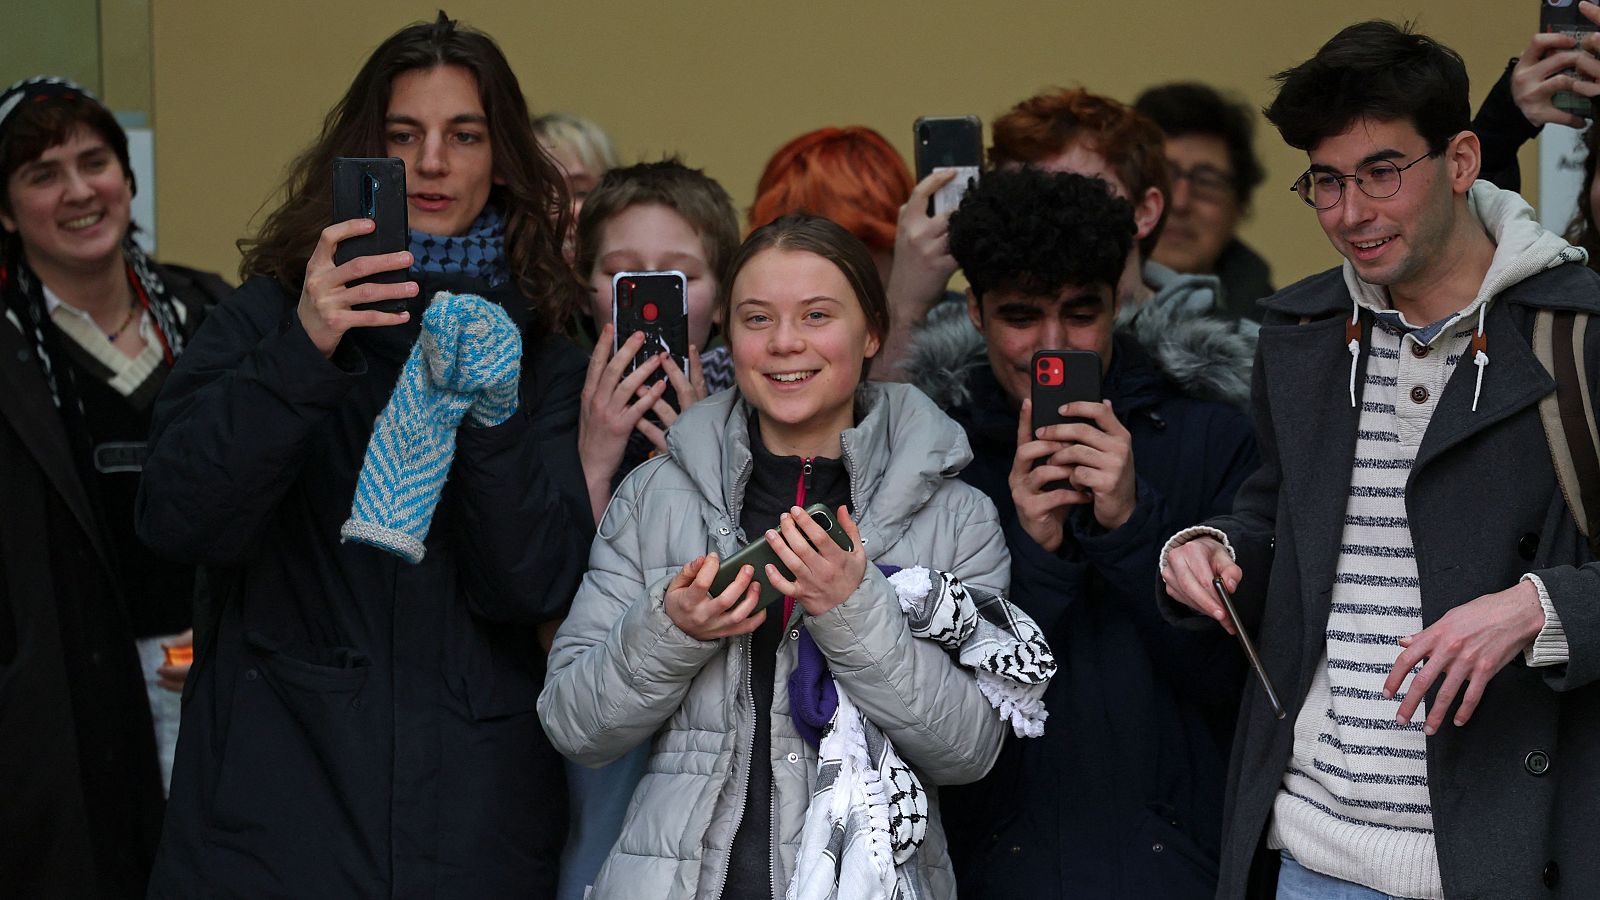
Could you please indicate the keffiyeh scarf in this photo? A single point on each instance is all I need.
(869, 812)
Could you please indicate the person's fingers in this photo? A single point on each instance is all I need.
(1024, 436)
(1432, 670)
(686, 575)
(783, 585)
(927, 187)
(804, 555)
(707, 572)
(328, 241)
(730, 596)
(631, 385)
(1410, 655)
(847, 524)
(623, 358)
(599, 357)
(1590, 11)
(815, 534)
(372, 318)
(652, 433)
(697, 379)
(781, 548)
(1469, 700)
(679, 381)
(1539, 49)
(1444, 699)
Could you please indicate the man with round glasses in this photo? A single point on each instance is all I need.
(1418, 587)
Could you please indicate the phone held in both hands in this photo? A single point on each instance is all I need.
(1061, 377)
(758, 553)
(1563, 16)
(948, 142)
(372, 188)
(656, 304)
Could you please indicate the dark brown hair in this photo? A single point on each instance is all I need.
(813, 234)
(36, 126)
(530, 193)
(1582, 231)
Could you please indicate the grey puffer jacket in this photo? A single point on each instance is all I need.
(621, 672)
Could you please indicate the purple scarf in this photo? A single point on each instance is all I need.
(812, 696)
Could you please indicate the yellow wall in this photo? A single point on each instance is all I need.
(240, 87)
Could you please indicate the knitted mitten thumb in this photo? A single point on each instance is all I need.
(473, 347)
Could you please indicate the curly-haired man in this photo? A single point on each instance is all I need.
(1122, 797)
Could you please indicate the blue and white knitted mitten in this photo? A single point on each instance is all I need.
(469, 358)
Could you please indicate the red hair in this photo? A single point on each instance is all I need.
(1046, 124)
(852, 176)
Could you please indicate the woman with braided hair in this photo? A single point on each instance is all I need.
(361, 719)
(92, 329)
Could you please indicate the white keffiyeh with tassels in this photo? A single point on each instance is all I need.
(869, 812)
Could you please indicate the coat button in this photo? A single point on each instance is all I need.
(1418, 350)
(356, 703)
(794, 634)
(793, 757)
(1419, 394)
(1537, 762)
(1016, 849)
(723, 531)
(251, 675)
(1157, 847)
(1528, 546)
(1551, 874)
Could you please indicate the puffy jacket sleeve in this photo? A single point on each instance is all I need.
(520, 506)
(233, 425)
(926, 703)
(619, 667)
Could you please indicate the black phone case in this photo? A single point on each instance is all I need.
(1062, 376)
(945, 141)
(372, 188)
(657, 304)
(758, 553)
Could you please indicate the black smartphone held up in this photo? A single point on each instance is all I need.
(1059, 377)
(656, 303)
(1563, 16)
(1249, 647)
(368, 188)
(758, 553)
(948, 142)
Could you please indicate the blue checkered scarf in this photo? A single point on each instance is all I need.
(480, 253)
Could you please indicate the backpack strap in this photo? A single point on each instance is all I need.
(1568, 417)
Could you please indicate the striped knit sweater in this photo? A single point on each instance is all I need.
(1354, 802)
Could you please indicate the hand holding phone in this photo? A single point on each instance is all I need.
(948, 143)
(1567, 18)
(706, 614)
(797, 543)
(372, 189)
(1061, 377)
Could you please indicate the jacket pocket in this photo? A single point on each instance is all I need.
(305, 747)
(1161, 859)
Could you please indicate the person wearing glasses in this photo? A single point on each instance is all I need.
(1214, 170)
(1420, 593)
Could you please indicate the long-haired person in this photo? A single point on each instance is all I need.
(92, 327)
(360, 725)
(648, 653)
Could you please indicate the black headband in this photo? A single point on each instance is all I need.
(38, 88)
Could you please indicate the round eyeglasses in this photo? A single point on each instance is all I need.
(1377, 178)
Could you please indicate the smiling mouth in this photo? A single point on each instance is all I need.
(82, 222)
(791, 377)
(1370, 245)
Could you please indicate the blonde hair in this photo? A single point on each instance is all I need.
(584, 138)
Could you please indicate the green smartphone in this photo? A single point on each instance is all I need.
(758, 553)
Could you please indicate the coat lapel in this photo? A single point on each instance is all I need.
(1308, 386)
(1513, 381)
(25, 404)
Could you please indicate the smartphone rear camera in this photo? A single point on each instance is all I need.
(650, 312)
(1049, 371)
(822, 520)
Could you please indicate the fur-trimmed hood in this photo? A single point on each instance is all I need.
(1205, 357)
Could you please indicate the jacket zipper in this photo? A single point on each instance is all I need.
(744, 783)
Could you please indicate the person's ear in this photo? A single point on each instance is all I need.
(975, 310)
(872, 347)
(1147, 213)
(1464, 158)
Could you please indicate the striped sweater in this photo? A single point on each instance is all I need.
(1354, 802)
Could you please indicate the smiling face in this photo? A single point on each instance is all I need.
(650, 237)
(71, 205)
(1016, 325)
(1399, 241)
(436, 124)
(798, 337)
(1201, 218)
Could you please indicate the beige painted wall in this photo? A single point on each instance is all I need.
(240, 87)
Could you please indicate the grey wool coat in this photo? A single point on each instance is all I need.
(1516, 791)
(621, 672)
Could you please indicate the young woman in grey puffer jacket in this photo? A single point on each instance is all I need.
(648, 654)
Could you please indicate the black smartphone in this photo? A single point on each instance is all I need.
(1249, 648)
(948, 142)
(1059, 377)
(1563, 16)
(758, 553)
(657, 304)
(368, 188)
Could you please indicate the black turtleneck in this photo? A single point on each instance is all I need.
(775, 485)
